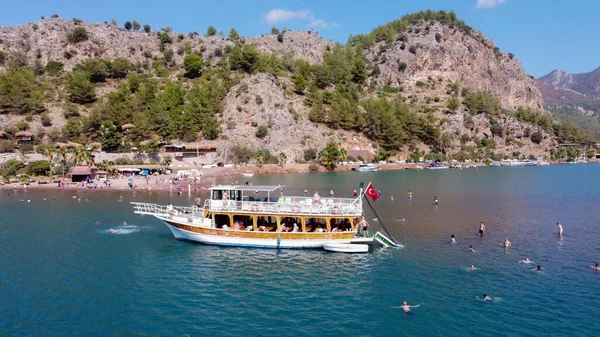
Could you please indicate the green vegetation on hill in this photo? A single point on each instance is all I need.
(166, 101)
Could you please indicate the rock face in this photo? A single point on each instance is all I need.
(260, 101)
(422, 65)
(470, 59)
(305, 45)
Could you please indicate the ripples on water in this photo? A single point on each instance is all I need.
(62, 275)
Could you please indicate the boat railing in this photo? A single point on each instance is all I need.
(168, 210)
(324, 206)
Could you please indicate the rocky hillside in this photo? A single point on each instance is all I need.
(425, 84)
(573, 97)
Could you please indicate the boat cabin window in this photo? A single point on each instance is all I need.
(226, 195)
(266, 223)
(341, 224)
(222, 220)
(243, 222)
(316, 225)
(291, 224)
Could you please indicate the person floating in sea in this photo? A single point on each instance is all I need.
(471, 249)
(596, 267)
(487, 298)
(124, 223)
(96, 222)
(435, 200)
(507, 243)
(472, 267)
(481, 228)
(452, 239)
(111, 230)
(527, 261)
(560, 228)
(407, 307)
(538, 268)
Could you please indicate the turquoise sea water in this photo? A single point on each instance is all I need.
(61, 275)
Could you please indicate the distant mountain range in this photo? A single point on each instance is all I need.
(573, 97)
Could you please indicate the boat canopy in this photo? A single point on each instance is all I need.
(243, 188)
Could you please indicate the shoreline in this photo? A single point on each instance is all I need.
(161, 183)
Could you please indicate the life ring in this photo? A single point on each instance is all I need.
(254, 207)
(296, 208)
(335, 209)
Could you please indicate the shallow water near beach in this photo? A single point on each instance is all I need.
(63, 275)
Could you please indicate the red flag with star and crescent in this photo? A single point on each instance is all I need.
(372, 192)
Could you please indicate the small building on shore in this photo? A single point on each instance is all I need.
(24, 138)
(143, 169)
(82, 173)
(204, 152)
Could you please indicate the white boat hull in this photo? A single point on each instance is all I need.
(221, 240)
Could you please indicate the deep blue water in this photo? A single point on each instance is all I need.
(61, 275)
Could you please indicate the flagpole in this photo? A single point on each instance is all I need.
(376, 215)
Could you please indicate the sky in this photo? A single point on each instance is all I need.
(543, 34)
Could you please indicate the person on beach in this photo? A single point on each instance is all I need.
(409, 194)
(435, 200)
(354, 192)
(316, 198)
(391, 197)
(526, 261)
(452, 239)
(560, 228)
(481, 228)
(472, 267)
(331, 193)
(407, 307)
(507, 243)
(471, 249)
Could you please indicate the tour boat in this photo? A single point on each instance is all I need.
(262, 216)
(248, 174)
(346, 248)
(366, 168)
(516, 163)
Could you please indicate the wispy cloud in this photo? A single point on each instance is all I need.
(278, 15)
(489, 3)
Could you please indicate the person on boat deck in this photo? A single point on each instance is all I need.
(284, 227)
(262, 229)
(363, 224)
(335, 229)
(236, 226)
(316, 198)
(169, 207)
(225, 227)
(320, 229)
(295, 228)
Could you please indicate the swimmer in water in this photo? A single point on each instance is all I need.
(481, 228)
(527, 260)
(507, 243)
(471, 249)
(124, 223)
(538, 268)
(96, 222)
(111, 230)
(597, 267)
(472, 267)
(452, 239)
(407, 307)
(487, 298)
(560, 228)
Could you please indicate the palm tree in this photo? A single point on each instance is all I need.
(89, 158)
(282, 158)
(49, 151)
(260, 157)
(167, 160)
(63, 155)
(78, 155)
(343, 154)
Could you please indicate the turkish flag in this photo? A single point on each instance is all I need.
(372, 192)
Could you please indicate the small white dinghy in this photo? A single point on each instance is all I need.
(346, 248)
